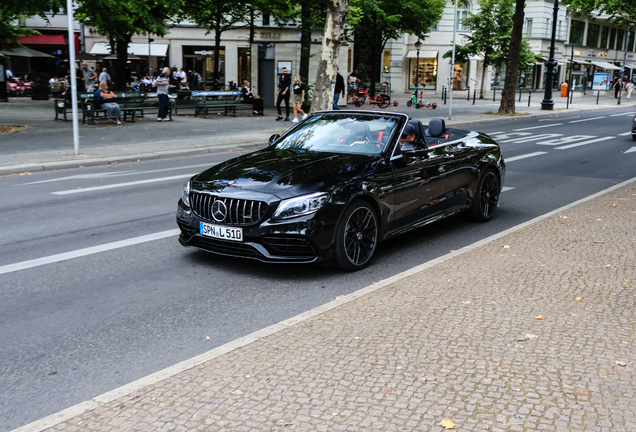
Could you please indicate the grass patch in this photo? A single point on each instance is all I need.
(506, 115)
(6, 129)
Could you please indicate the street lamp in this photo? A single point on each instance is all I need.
(547, 103)
(418, 45)
(149, 41)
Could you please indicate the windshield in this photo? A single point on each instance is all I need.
(341, 133)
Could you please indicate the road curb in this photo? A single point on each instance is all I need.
(86, 406)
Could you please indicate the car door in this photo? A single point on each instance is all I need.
(460, 170)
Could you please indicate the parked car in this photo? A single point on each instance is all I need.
(334, 186)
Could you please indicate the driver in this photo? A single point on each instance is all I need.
(408, 134)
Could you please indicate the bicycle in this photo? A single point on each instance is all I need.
(383, 100)
(418, 103)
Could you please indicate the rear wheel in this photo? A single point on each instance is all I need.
(359, 102)
(386, 101)
(409, 103)
(418, 105)
(356, 237)
(486, 197)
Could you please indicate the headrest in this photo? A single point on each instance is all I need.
(436, 127)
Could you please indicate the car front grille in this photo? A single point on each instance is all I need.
(287, 246)
(238, 211)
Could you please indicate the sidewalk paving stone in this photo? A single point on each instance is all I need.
(460, 340)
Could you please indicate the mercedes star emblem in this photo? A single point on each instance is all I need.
(219, 211)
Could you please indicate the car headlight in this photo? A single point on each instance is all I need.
(185, 196)
(301, 206)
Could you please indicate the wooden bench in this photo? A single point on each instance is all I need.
(130, 103)
(227, 101)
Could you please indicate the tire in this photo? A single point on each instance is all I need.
(409, 103)
(486, 198)
(359, 102)
(434, 106)
(418, 105)
(633, 133)
(356, 237)
(386, 101)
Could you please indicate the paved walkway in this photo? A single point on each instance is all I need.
(46, 144)
(531, 330)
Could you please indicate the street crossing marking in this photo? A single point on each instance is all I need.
(539, 127)
(566, 140)
(534, 138)
(584, 143)
(590, 119)
(86, 251)
(631, 150)
(625, 134)
(118, 185)
(529, 155)
(506, 188)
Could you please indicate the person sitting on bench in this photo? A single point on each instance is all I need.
(250, 97)
(102, 95)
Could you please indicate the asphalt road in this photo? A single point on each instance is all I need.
(74, 329)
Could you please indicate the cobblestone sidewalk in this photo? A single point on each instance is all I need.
(534, 331)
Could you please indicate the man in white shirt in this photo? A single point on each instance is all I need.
(163, 84)
(104, 76)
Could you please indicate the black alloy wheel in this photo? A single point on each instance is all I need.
(356, 237)
(486, 197)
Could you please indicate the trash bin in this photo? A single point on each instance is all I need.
(564, 90)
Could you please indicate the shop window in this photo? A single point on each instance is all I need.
(386, 61)
(604, 37)
(348, 60)
(612, 38)
(576, 32)
(427, 73)
(201, 59)
(244, 65)
(592, 35)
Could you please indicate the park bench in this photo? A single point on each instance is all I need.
(204, 102)
(130, 103)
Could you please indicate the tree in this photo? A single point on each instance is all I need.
(507, 105)
(333, 36)
(120, 20)
(620, 12)
(491, 30)
(10, 13)
(381, 20)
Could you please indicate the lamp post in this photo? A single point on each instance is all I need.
(452, 80)
(620, 91)
(547, 103)
(418, 45)
(570, 89)
(149, 41)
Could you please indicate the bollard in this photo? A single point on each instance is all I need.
(443, 90)
(474, 95)
(445, 95)
(572, 97)
(598, 95)
(520, 91)
(494, 92)
(529, 96)
(468, 94)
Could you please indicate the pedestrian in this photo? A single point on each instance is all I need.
(104, 76)
(618, 85)
(89, 77)
(284, 83)
(353, 86)
(163, 83)
(629, 88)
(9, 75)
(299, 98)
(191, 77)
(102, 95)
(250, 97)
(183, 80)
(338, 89)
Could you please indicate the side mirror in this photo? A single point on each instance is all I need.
(413, 149)
(273, 139)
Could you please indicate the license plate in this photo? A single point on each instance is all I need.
(221, 232)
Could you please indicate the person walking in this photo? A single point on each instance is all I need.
(163, 84)
(89, 76)
(338, 89)
(629, 88)
(284, 83)
(617, 87)
(104, 76)
(299, 98)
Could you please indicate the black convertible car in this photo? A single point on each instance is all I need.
(334, 186)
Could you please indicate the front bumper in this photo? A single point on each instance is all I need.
(305, 239)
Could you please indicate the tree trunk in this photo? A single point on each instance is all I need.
(217, 50)
(305, 40)
(483, 78)
(507, 105)
(251, 27)
(120, 75)
(333, 37)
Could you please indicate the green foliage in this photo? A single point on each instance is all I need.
(490, 37)
(621, 12)
(12, 10)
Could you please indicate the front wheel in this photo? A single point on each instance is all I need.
(486, 198)
(386, 101)
(359, 102)
(418, 105)
(409, 103)
(356, 237)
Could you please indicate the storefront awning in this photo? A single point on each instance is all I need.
(630, 65)
(423, 54)
(545, 60)
(605, 65)
(583, 62)
(156, 50)
(43, 39)
(25, 52)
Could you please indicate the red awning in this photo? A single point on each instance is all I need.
(49, 39)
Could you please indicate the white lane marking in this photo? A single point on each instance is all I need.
(625, 134)
(566, 140)
(584, 143)
(506, 188)
(623, 114)
(507, 135)
(118, 185)
(631, 150)
(533, 138)
(539, 127)
(116, 174)
(590, 119)
(529, 155)
(86, 251)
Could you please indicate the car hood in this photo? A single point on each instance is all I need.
(283, 173)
